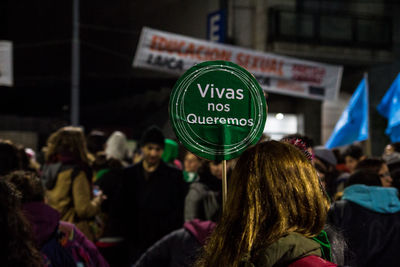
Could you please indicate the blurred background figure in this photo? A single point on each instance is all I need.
(117, 147)
(378, 166)
(352, 155)
(33, 163)
(391, 155)
(68, 179)
(9, 159)
(391, 152)
(191, 164)
(96, 141)
(17, 247)
(153, 196)
(61, 243)
(369, 216)
(325, 162)
(204, 199)
(108, 178)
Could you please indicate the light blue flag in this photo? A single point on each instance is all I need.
(390, 109)
(353, 124)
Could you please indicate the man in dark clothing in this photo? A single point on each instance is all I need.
(153, 193)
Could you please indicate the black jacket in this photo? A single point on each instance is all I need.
(111, 185)
(179, 248)
(153, 207)
(373, 237)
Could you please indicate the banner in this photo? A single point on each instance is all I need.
(389, 107)
(6, 73)
(353, 123)
(173, 53)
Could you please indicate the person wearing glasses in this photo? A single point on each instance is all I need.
(368, 216)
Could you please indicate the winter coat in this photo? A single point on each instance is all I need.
(293, 250)
(70, 193)
(154, 205)
(46, 227)
(110, 182)
(204, 198)
(179, 248)
(369, 217)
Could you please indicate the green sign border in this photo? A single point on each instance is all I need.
(188, 137)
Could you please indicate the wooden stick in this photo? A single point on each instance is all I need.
(224, 184)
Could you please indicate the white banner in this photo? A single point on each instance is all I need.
(173, 53)
(6, 69)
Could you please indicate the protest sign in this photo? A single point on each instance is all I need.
(217, 109)
(174, 53)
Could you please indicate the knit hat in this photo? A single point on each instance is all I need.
(154, 135)
(325, 154)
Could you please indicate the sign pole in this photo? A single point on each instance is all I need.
(224, 184)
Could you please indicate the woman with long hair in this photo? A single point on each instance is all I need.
(17, 247)
(275, 208)
(68, 179)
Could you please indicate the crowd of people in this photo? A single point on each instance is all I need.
(85, 200)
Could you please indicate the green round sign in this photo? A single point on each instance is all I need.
(217, 110)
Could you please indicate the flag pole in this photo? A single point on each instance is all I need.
(368, 149)
(224, 184)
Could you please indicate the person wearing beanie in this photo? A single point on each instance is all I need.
(153, 196)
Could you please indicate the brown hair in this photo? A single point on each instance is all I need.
(274, 190)
(28, 183)
(372, 164)
(17, 247)
(67, 140)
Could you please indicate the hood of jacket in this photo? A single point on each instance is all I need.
(117, 146)
(44, 220)
(200, 229)
(49, 174)
(375, 198)
(284, 251)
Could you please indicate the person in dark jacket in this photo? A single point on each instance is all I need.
(179, 248)
(153, 196)
(369, 217)
(108, 175)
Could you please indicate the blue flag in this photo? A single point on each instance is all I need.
(390, 109)
(353, 124)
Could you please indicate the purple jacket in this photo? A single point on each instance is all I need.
(45, 223)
